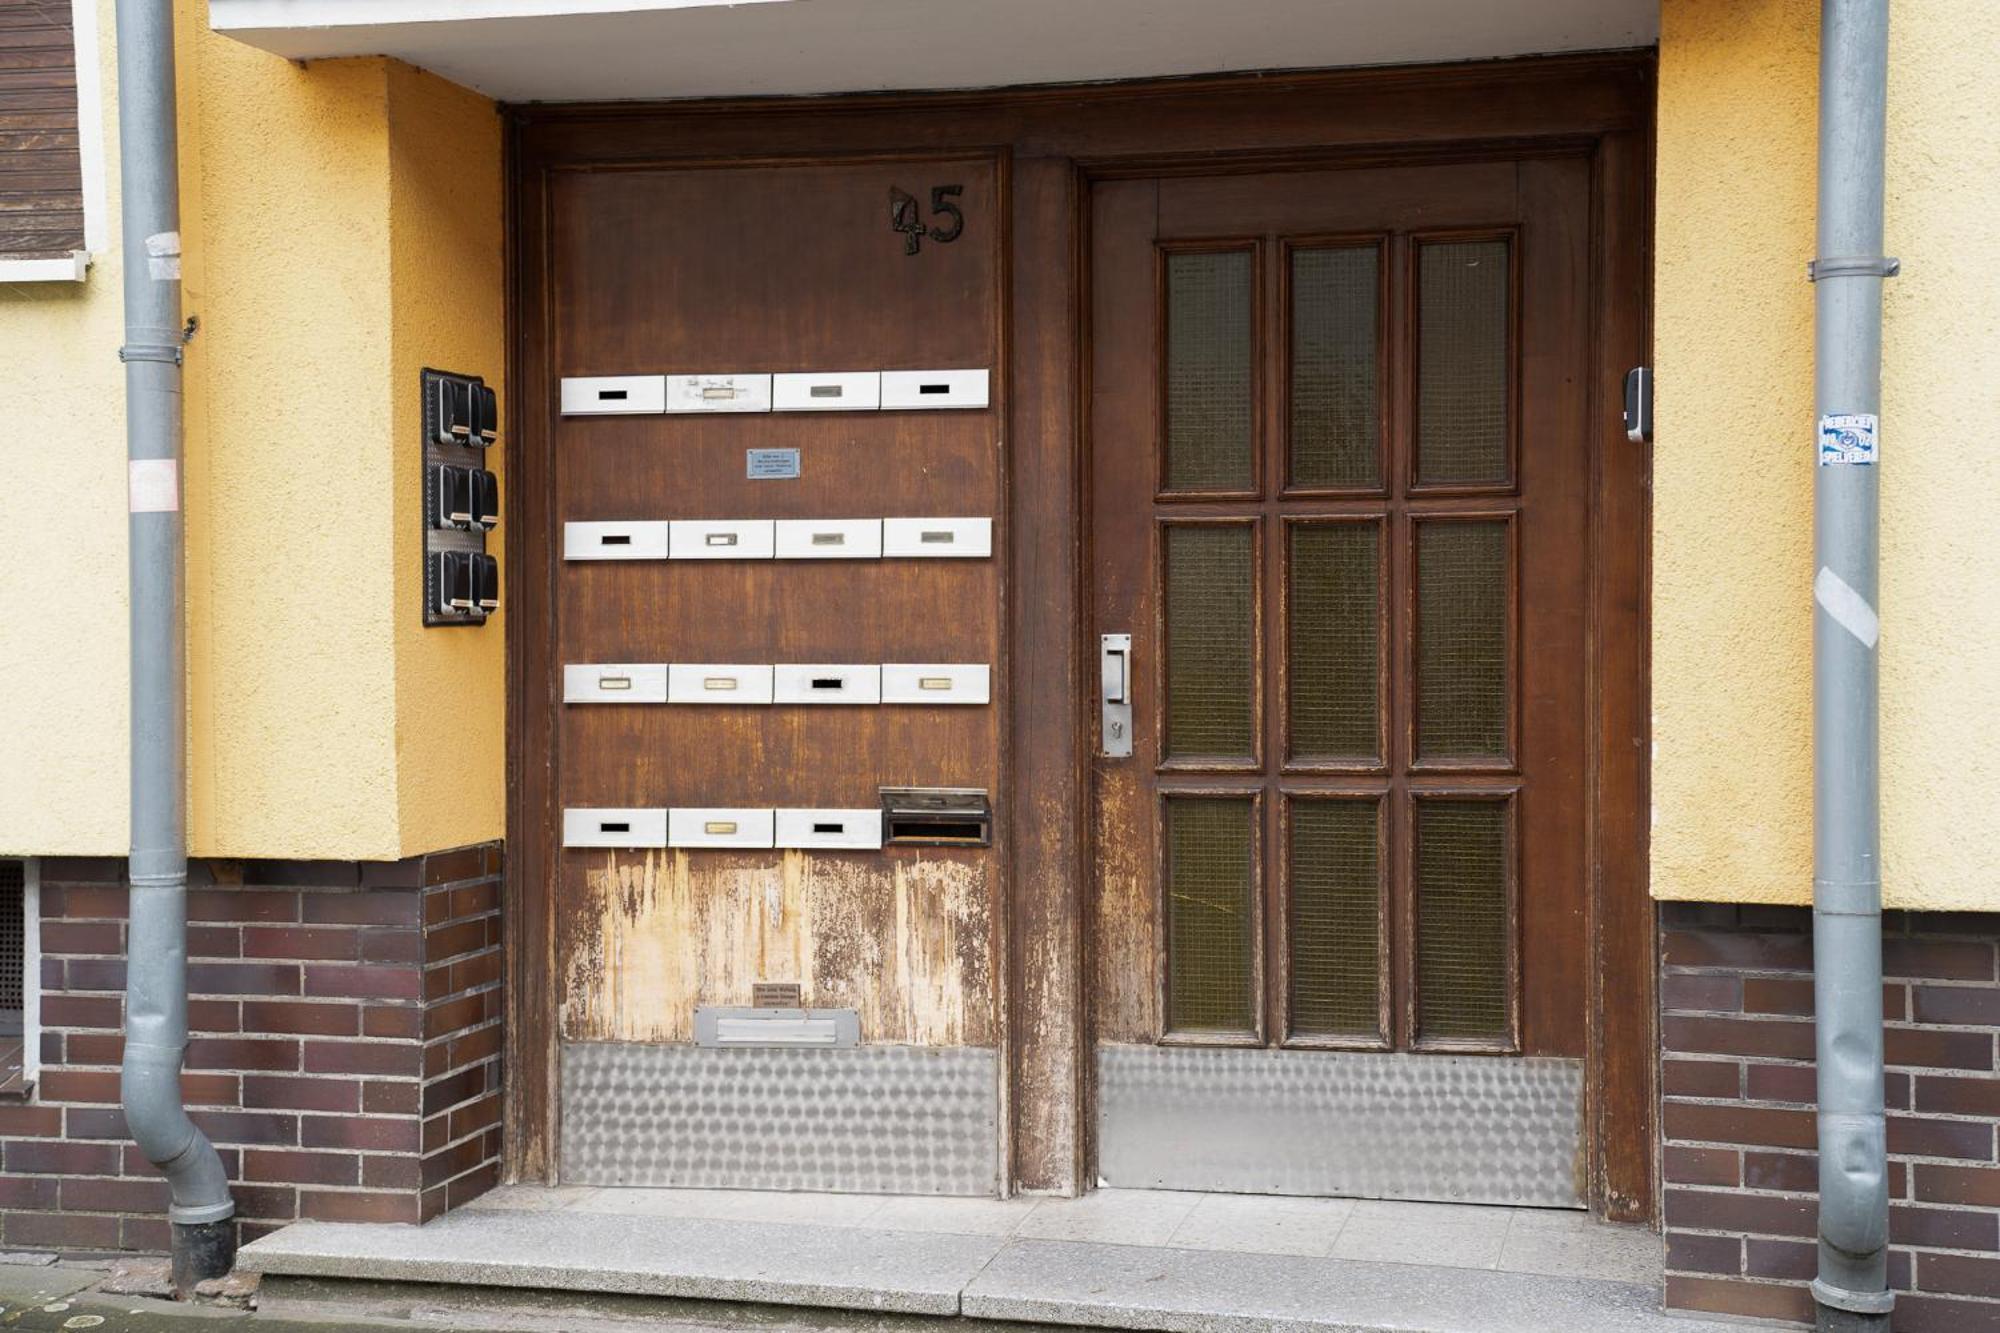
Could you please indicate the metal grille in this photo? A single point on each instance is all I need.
(1211, 893)
(1336, 411)
(1464, 289)
(1462, 650)
(1462, 955)
(1333, 648)
(1336, 896)
(1211, 619)
(13, 941)
(1209, 371)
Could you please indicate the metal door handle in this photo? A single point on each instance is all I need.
(1114, 670)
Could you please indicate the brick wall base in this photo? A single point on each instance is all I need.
(344, 1058)
(1737, 1097)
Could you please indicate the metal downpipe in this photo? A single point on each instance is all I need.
(156, 1002)
(1852, 1286)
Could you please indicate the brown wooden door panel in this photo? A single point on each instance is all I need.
(1471, 527)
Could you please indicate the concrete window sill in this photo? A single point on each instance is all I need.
(53, 268)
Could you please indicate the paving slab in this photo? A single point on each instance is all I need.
(700, 1258)
(1198, 1291)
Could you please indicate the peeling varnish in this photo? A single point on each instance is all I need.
(906, 942)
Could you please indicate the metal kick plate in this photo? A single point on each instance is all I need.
(1465, 1128)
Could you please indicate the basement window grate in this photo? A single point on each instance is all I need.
(13, 945)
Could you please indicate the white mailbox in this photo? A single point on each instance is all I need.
(936, 683)
(930, 538)
(615, 541)
(702, 683)
(598, 826)
(613, 395)
(723, 538)
(614, 682)
(829, 538)
(719, 393)
(827, 685)
(905, 390)
(718, 827)
(830, 828)
(827, 391)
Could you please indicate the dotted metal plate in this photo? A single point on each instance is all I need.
(862, 1120)
(1469, 1129)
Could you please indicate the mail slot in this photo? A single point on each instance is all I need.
(699, 683)
(936, 817)
(827, 391)
(829, 828)
(829, 538)
(936, 683)
(614, 682)
(936, 538)
(602, 827)
(906, 390)
(615, 541)
(718, 827)
(722, 539)
(827, 685)
(454, 496)
(613, 395)
(734, 392)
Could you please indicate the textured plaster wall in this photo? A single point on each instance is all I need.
(1733, 462)
(342, 227)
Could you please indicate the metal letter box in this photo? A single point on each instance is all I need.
(719, 393)
(829, 538)
(941, 683)
(454, 497)
(614, 682)
(615, 541)
(827, 685)
(854, 829)
(723, 538)
(922, 538)
(718, 827)
(706, 683)
(485, 498)
(924, 389)
(613, 395)
(827, 391)
(598, 826)
(936, 816)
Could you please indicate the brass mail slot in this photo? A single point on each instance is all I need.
(934, 682)
(719, 683)
(721, 539)
(718, 391)
(936, 538)
(719, 826)
(614, 682)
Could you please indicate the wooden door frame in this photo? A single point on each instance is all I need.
(1052, 143)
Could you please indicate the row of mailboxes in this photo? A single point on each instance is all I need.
(806, 391)
(467, 497)
(918, 816)
(699, 683)
(468, 582)
(780, 539)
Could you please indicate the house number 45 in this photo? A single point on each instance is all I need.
(903, 217)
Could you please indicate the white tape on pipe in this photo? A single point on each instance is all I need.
(1849, 609)
(163, 256)
(153, 485)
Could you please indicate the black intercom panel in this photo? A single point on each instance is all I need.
(461, 499)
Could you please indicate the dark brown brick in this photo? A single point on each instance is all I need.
(1930, 1048)
(485, 1114)
(81, 902)
(407, 873)
(144, 1233)
(84, 937)
(334, 943)
(29, 1191)
(1944, 1228)
(1958, 1096)
(363, 1133)
(1959, 1275)
(367, 907)
(98, 974)
(61, 1231)
(1741, 951)
(341, 1206)
(1778, 995)
(302, 1168)
(242, 905)
(479, 1044)
(1937, 960)
(1979, 1186)
(97, 1122)
(1770, 1038)
(1782, 1083)
(94, 1048)
(1749, 1300)
(215, 942)
(392, 1020)
(82, 1011)
(1702, 1122)
(1722, 1210)
(252, 979)
(101, 1194)
(384, 1171)
(362, 981)
(481, 969)
(457, 864)
(215, 1016)
(1781, 1171)
(459, 1087)
(303, 874)
(473, 1184)
(1918, 1136)
(79, 1085)
(1941, 1314)
(22, 1120)
(272, 1202)
(450, 941)
(264, 1128)
(389, 1097)
(59, 1157)
(1692, 1252)
(1792, 1260)
(391, 946)
(453, 1015)
(303, 1017)
(263, 1053)
(1966, 1006)
(282, 1093)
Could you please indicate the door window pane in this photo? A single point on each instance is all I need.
(1211, 600)
(1461, 878)
(1211, 895)
(1335, 885)
(1210, 346)
(1463, 671)
(1464, 290)
(1336, 407)
(1334, 640)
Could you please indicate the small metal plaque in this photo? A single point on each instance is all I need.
(770, 464)
(776, 995)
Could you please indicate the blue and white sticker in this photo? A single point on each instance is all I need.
(769, 464)
(1847, 437)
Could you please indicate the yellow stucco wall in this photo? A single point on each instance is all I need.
(342, 226)
(1733, 461)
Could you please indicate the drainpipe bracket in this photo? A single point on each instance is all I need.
(1853, 266)
(1860, 1302)
(165, 354)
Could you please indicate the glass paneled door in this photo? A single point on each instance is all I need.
(1339, 491)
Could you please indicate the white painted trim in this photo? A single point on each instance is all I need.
(235, 15)
(31, 970)
(90, 128)
(46, 270)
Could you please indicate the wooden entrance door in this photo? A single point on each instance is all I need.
(1340, 491)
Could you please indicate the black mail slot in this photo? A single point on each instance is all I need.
(454, 497)
(936, 817)
(485, 498)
